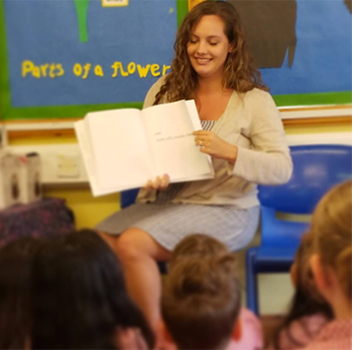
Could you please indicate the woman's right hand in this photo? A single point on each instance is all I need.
(160, 183)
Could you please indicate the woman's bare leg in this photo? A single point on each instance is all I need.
(138, 253)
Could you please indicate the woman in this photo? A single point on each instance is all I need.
(242, 132)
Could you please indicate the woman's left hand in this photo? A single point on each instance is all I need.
(216, 147)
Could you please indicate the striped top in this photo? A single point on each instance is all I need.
(207, 125)
(173, 189)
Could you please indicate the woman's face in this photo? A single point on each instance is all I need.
(208, 47)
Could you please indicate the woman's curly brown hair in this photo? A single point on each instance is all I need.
(240, 73)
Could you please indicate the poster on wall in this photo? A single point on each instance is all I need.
(301, 46)
(99, 53)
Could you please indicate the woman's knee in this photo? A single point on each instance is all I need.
(131, 247)
(137, 245)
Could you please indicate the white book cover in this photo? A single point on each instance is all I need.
(125, 148)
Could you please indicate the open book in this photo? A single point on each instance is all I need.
(124, 148)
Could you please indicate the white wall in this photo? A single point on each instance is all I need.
(56, 157)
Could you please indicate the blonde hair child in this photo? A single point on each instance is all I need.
(309, 312)
(331, 265)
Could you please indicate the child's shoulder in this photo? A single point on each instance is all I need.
(251, 332)
(302, 331)
(247, 316)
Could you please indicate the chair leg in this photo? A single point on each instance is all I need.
(251, 281)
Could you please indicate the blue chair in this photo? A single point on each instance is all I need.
(317, 168)
(128, 198)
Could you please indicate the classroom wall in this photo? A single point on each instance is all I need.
(89, 210)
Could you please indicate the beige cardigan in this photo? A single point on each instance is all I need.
(251, 122)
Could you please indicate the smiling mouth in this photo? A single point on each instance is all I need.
(202, 60)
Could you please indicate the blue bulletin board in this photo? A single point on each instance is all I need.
(317, 64)
(62, 59)
(65, 58)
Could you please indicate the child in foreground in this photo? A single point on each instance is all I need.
(16, 260)
(309, 312)
(80, 300)
(248, 331)
(201, 303)
(331, 265)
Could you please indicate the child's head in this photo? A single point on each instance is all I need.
(199, 246)
(201, 302)
(15, 292)
(307, 300)
(80, 300)
(301, 273)
(331, 227)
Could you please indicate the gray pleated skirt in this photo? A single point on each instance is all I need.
(169, 223)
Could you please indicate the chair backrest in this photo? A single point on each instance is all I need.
(317, 168)
(128, 197)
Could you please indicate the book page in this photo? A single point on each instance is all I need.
(169, 130)
(87, 156)
(120, 148)
(193, 113)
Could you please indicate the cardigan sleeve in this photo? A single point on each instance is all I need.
(151, 95)
(268, 161)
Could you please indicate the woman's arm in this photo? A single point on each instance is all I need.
(268, 161)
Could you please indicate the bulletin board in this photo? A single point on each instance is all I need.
(303, 48)
(62, 59)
